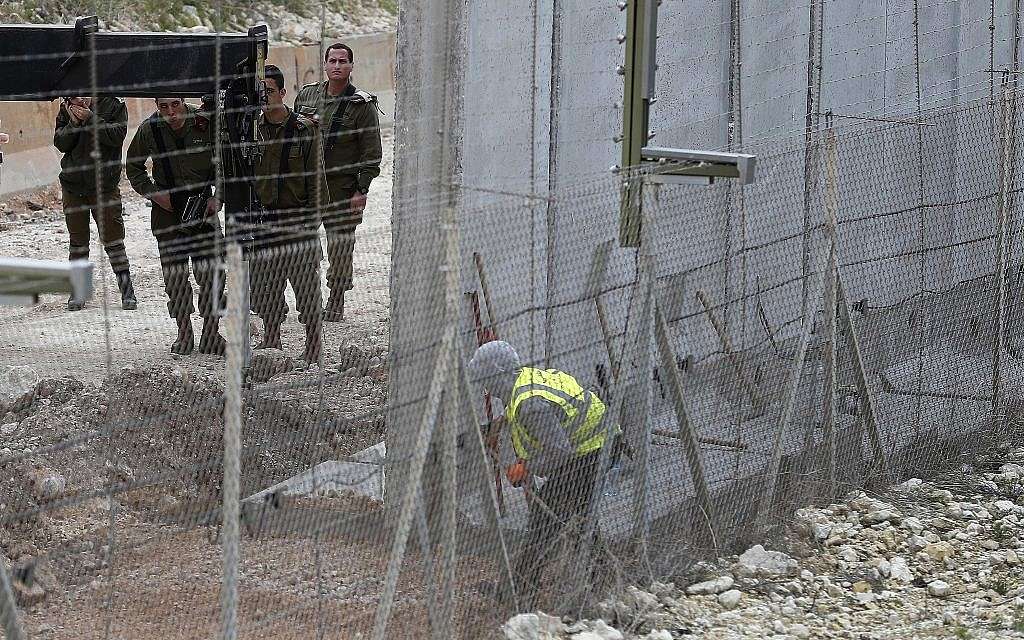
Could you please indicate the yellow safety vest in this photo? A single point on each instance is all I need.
(583, 410)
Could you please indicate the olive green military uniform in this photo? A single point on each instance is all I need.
(78, 179)
(352, 155)
(184, 168)
(287, 178)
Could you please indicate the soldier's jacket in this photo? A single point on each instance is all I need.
(352, 146)
(75, 141)
(189, 153)
(290, 189)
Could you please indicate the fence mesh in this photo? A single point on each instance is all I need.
(850, 318)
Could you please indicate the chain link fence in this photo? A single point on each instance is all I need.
(850, 319)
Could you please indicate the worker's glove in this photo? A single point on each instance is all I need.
(517, 473)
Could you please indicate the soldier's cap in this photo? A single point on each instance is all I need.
(492, 359)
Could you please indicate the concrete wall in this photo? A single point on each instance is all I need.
(542, 104)
(31, 161)
(539, 108)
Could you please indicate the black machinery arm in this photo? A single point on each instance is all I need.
(43, 62)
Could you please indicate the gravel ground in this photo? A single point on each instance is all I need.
(936, 559)
(101, 425)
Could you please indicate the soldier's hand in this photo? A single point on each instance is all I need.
(212, 207)
(4, 138)
(162, 199)
(358, 201)
(80, 114)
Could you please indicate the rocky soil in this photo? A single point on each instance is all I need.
(110, 452)
(935, 559)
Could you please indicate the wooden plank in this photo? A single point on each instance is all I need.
(490, 498)
(438, 383)
(687, 433)
(831, 379)
(645, 391)
(867, 400)
(772, 470)
(755, 397)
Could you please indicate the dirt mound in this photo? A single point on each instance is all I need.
(151, 441)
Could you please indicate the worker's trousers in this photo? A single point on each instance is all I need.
(567, 494)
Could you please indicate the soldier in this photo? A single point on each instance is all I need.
(179, 140)
(73, 136)
(287, 179)
(352, 154)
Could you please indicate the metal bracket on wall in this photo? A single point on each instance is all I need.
(659, 165)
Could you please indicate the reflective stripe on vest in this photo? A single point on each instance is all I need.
(583, 411)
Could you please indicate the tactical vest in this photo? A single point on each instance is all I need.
(583, 411)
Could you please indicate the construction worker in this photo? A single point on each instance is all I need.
(352, 153)
(557, 431)
(288, 176)
(77, 119)
(183, 217)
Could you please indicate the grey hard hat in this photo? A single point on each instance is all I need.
(493, 358)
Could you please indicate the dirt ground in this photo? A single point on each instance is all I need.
(110, 454)
(53, 342)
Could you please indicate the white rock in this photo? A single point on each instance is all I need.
(640, 600)
(911, 485)
(729, 599)
(913, 524)
(601, 631)
(710, 587)
(882, 566)
(849, 554)
(659, 634)
(800, 631)
(916, 543)
(939, 589)
(899, 571)
(534, 626)
(821, 531)
(877, 517)
(8, 429)
(778, 627)
(1012, 469)
(806, 575)
(756, 561)
(1004, 507)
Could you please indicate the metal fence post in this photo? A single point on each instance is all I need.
(238, 317)
(831, 348)
(645, 378)
(449, 432)
(1002, 220)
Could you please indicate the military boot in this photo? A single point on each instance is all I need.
(186, 338)
(211, 341)
(124, 283)
(271, 336)
(311, 352)
(75, 305)
(335, 309)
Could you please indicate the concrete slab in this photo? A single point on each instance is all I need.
(363, 476)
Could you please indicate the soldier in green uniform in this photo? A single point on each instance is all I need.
(179, 140)
(352, 153)
(289, 183)
(73, 136)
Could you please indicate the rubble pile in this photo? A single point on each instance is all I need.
(928, 559)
